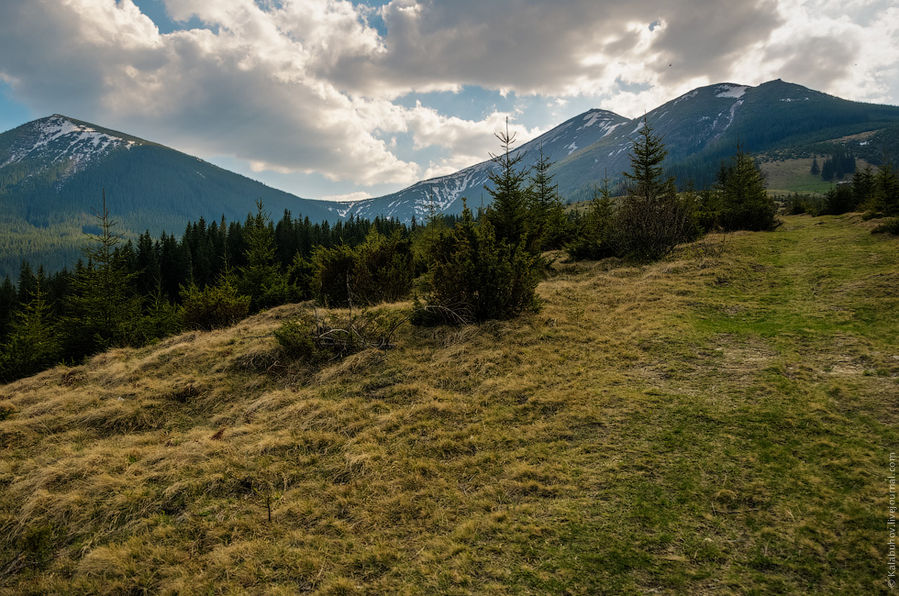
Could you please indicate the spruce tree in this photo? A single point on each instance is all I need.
(816, 169)
(547, 213)
(886, 191)
(651, 220)
(8, 303)
(827, 170)
(745, 204)
(103, 309)
(33, 343)
(261, 278)
(863, 186)
(509, 212)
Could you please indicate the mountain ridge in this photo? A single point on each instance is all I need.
(708, 121)
(53, 170)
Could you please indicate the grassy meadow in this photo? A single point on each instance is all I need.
(718, 422)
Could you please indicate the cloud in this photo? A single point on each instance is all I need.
(349, 196)
(246, 89)
(309, 86)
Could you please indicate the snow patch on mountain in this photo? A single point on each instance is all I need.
(693, 93)
(734, 91)
(613, 127)
(592, 118)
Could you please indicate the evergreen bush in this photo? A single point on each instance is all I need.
(213, 306)
(475, 277)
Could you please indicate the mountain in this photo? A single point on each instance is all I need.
(705, 126)
(59, 164)
(700, 129)
(445, 193)
(53, 171)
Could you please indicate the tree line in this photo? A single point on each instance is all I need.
(876, 193)
(477, 266)
(837, 165)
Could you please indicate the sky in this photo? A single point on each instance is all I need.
(340, 99)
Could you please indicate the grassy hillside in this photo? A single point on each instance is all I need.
(793, 175)
(717, 422)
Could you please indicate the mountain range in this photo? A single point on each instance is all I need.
(53, 170)
(699, 128)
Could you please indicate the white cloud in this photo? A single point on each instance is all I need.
(248, 89)
(349, 196)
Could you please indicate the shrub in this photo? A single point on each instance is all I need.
(383, 269)
(595, 230)
(314, 338)
(333, 269)
(797, 204)
(213, 306)
(890, 226)
(475, 277)
(649, 227)
(378, 270)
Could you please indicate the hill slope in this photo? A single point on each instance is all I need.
(717, 422)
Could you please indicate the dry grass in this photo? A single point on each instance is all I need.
(718, 422)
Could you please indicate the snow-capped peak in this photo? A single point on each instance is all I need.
(59, 139)
(594, 116)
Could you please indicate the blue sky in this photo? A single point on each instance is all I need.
(335, 99)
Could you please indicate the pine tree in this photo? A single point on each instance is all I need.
(103, 309)
(260, 278)
(745, 204)
(547, 213)
(509, 212)
(651, 220)
(863, 186)
(33, 343)
(827, 170)
(27, 283)
(8, 303)
(886, 191)
(816, 169)
(645, 179)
